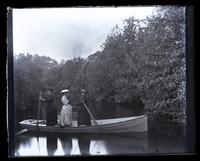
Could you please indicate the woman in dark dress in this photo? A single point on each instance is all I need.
(83, 115)
(51, 111)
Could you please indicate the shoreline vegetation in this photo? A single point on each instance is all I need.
(137, 63)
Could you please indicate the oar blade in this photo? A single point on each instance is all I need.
(21, 132)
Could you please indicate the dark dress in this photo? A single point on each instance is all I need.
(84, 144)
(83, 115)
(51, 111)
(51, 144)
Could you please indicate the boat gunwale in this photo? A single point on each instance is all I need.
(34, 126)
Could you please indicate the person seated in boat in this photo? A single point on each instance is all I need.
(66, 111)
(51, 111)
(83, 115)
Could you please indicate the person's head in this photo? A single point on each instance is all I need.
(83, 91)
(49, 91)
(65, 92)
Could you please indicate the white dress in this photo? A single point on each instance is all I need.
(66, 112)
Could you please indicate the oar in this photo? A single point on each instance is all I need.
(21, 131)
(90, 114)
(38, 117)
(38, 142)
(39, 103)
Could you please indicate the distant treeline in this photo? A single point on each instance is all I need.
(144, 60)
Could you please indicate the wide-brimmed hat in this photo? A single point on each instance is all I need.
(64, 91)
(83, 90)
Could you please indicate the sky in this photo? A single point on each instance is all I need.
(65, 33)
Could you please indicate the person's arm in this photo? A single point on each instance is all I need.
(64, 100)
(41, 98)
(82, 99)
(61, 120)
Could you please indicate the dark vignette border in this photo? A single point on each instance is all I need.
(191, 129)
(11, 109)
(190, 81)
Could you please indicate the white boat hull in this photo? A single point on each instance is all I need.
(118, 125)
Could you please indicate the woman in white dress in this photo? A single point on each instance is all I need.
(66, 111)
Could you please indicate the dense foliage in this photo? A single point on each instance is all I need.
(144, 60)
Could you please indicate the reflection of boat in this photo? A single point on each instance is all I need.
(117, 125)
(81, 144)
(121, 143)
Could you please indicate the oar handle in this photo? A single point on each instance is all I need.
(39, 104)
(90, 114)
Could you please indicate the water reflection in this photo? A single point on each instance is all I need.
(127, 143)
(84, 144)
(66, 143)
(52, 144)
(80, 144)
(26, 145)
(30, 144)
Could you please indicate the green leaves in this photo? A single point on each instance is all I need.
(143, 60)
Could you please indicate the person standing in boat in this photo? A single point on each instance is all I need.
(66, 111)
(83, 115)
(51, 111)
(43, 106)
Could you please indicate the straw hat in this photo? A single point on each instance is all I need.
(64, 91)
(83, 90)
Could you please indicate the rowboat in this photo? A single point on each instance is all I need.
(116, 125)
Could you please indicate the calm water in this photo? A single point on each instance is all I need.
(31, 144)
(157, 140)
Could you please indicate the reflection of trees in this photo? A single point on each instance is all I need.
(126, 143)
(26, 142)
(23, 141)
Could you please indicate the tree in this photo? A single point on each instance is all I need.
(162, 63)
(144, 60)
(29, 74)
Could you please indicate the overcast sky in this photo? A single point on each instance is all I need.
(63, 33)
